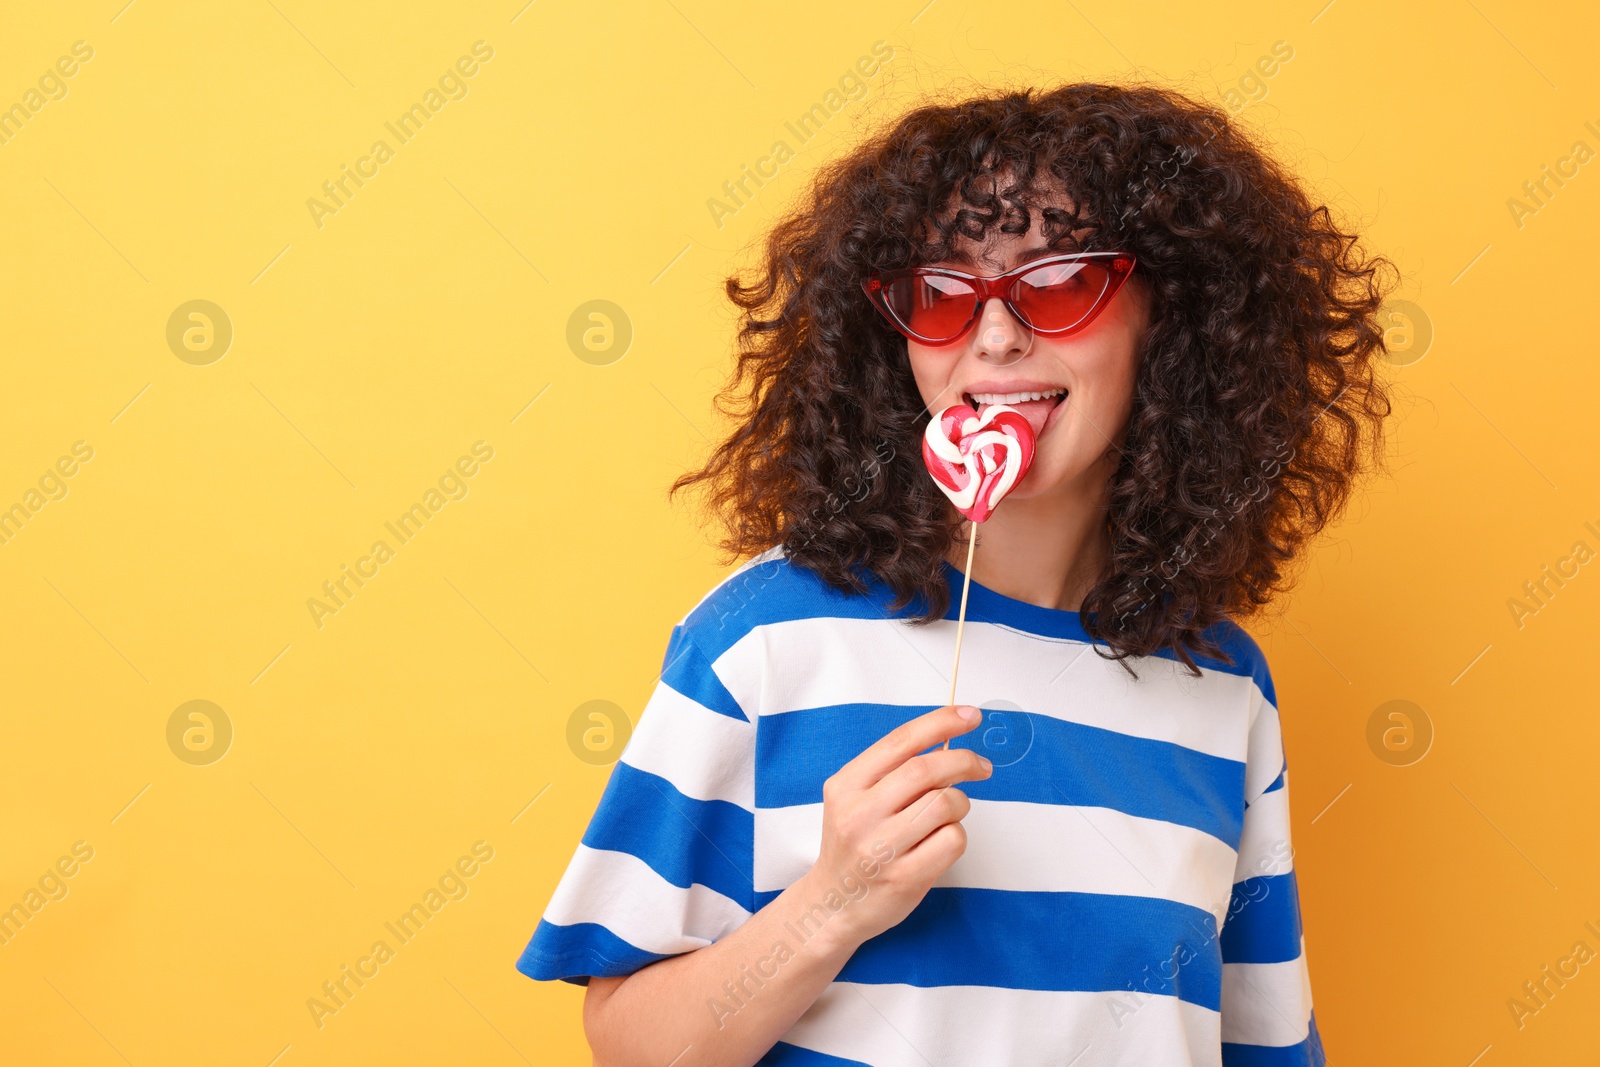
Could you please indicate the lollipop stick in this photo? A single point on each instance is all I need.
(961, 616)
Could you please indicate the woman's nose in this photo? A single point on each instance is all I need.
(1002, 340)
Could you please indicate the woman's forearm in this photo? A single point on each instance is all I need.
(726, 1004)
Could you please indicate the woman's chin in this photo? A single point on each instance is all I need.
(1035, 489)
(1048, 477)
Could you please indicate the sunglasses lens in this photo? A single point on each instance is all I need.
(932, 307)
(1059, 296)
(1052, 298)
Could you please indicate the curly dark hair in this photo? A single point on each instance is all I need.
(1256, 407)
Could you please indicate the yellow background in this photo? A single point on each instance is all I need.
(433, 708)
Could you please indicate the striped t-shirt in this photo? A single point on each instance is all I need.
(1127, 895)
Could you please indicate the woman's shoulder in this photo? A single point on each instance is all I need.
(1244, 653)
(771, 589)
(707, 658)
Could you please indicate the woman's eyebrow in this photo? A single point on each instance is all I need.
(1026, 256)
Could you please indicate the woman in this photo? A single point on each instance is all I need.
(783, 867)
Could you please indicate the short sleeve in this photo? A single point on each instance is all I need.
(666, 864)
(1267, 1018)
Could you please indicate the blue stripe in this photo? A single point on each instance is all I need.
(1277, 783)
(778, 590)
(1308, 1053)
(677, 642)
(575, 952)
(684, 840)
(784, 1054)
(1047, 941)
(1263, 921)
(686, 670)
(1037, 758)
(1248, 659)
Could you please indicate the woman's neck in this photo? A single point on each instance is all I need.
(1046, 550)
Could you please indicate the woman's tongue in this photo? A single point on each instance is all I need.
(1035, 411)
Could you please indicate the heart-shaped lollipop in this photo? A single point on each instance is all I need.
(977, 459)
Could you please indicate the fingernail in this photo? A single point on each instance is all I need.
(969, 713)
(986, 764)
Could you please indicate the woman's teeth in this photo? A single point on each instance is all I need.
(1014, 398)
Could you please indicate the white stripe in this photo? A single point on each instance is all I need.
(1266, 748)
(706, 755)
(1267, 1003)
(1021, 846)
(625, 895)
(1264, 847)
(773, 669)
(958, 1026)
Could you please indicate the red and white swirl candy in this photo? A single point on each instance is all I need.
(977, 459)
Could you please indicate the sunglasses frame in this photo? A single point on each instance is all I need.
(876, 287)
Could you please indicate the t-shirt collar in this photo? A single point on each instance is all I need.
(987, 605)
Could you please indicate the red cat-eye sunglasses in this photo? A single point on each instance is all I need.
(1056, 296)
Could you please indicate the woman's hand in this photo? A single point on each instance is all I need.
(891, 822)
